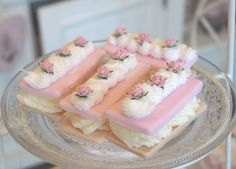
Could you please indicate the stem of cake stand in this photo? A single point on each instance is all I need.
(230, 66)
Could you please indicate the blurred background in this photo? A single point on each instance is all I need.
(31, 28)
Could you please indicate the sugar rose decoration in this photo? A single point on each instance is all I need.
(80, 41)
(169, 43)
(176, 66)
(64, 52)
(158, 80)
(120, 54)
(119, 31)
(143, 37)
(84, 91)
(103, 72)
(46, 66)
(138, 92)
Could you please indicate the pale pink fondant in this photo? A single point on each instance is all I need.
(164, 112)
(156, 64)
(75, 76)
(113, 95)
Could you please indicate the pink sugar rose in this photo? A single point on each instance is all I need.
(158, 80)
(137, 92)
(176, 66)
(119, 31)
(103, 72)
(80, 41)
(84, 91)
(120, 54)
(171, 42)
(64, 52)
(143, 37)
(46, 66)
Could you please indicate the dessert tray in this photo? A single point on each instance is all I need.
(41, 136)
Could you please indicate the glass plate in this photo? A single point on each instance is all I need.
(40, 135)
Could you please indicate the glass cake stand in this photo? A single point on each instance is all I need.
(41, 136)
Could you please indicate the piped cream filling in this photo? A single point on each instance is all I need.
(39, 103)
(139, 108)
(154, 48)
(136, 139)
(39, 79)
(87, 126)
(101, 86)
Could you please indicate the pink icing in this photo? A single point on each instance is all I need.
(46, 66)
(164, 112)
(113, 95)
(143, 37)
(171, 42)
(137, 92)
(60, 88)
(119, 31)
(84, 91)
(103, 72)
(176, 66)
(80, 41)
(158, 80)
(64, 52)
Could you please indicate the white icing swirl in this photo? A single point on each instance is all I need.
(101, 86)
(155, 48)
(142, 107)
(136, 139)
(38, 79)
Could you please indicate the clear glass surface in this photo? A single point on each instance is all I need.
(40, 135)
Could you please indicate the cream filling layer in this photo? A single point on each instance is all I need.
(39, 79)
(136, 139)
(39, 103)
(139, 108)
(154, 49)
(85, 125)
(101, 86)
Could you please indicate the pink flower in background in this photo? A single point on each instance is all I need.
(84, 91)
(46, 66)
(176, 66)
(137, 92)
(120, 54)
(143, 37)
(80, 41)
(64, 52)
(119, 31)
(171, 43)
(158, 80)
(103, 72)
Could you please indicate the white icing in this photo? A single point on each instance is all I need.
(145, 48)
(61, 65)
(122, 40)
(132, 45)
(87, 126)
(171, 54)
(101, 86)
(154, 49)
(139, 108)
(136, 139)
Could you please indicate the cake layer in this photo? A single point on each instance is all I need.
(155, 63)
(163, 113)
(74, 77)
(113, 95)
